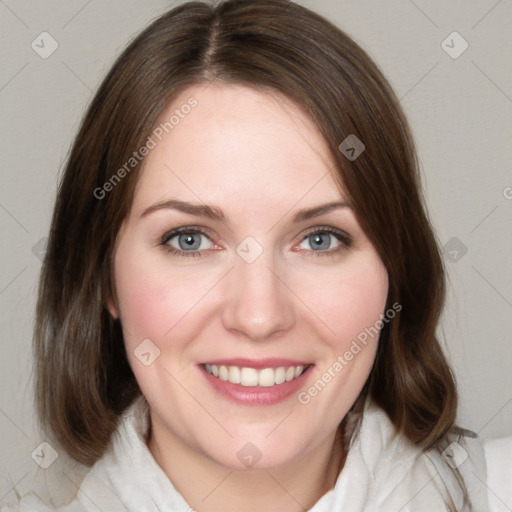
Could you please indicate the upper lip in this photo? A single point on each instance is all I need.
(257, 364)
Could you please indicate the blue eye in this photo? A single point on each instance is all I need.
(320, 241)
(186, 240)
(192, 241)
(326, 241)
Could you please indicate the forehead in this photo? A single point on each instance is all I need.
(236, 141)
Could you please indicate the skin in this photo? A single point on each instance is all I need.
(259, 159)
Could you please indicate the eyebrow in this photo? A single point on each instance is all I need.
(309, 213)
(215, 213)
(200, 210)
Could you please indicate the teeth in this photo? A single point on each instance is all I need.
(249, 377)
(234, 374)
(223, 373)
(266, 377)
(298, 371)
(280, 375)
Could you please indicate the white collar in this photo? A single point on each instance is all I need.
(383, 472)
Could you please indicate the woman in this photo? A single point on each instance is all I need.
(238, 305)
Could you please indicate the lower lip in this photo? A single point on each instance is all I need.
(256, 395)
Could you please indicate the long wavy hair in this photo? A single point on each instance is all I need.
(83, 379)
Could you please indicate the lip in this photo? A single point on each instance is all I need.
(257, 364)
(256, 395)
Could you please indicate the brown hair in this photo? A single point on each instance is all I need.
(83, 379)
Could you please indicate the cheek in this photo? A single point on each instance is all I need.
(349, 298)
(156, 298)
(144, 295)
(140, 303)
(349, 301)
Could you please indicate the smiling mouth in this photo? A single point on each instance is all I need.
(266, 377)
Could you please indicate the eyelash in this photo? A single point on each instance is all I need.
(192, 230)
(344, 238)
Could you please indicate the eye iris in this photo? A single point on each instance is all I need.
(320, 241)
(189, 241)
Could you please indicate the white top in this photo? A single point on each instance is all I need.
(382, 473)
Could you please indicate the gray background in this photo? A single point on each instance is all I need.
(460, 112)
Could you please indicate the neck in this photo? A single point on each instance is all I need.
(209, 487)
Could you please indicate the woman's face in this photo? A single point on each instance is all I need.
(240, 261)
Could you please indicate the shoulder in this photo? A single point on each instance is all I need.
(498, 455)
(84, 489)
(483, 465)
(32, 503)
(451, 472)
(459, 470)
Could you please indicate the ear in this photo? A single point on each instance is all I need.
(110, 296)
(111, 302)
(112, 309)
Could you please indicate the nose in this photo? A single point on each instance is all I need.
(258, 303)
